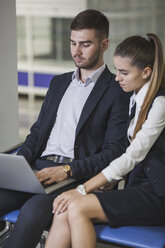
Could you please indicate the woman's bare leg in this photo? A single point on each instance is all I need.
(80, 215)
(59, 234)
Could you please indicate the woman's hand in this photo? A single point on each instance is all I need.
(108, 186)
(61, 202)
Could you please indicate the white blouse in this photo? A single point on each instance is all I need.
(144, 140)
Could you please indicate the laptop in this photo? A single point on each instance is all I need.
(16, 174)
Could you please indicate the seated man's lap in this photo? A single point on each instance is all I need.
(32, 206)
(12, 200)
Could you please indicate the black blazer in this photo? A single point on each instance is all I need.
(154, 163)
(100, 131)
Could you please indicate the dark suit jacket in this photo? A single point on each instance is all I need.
(154, 163)
(100, 131)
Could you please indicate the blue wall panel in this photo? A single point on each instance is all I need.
(23, 78)
(42, 80)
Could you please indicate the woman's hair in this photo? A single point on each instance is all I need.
(92, 19)
(145, 52)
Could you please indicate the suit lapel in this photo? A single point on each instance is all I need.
(100, 87)
(56, 96)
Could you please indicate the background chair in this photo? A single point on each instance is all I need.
(127, 236)
(132, 236)
(11, 217)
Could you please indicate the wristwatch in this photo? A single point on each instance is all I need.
(67, 170)
(81, 189)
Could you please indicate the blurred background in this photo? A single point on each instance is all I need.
(43, 32)
(35, 46)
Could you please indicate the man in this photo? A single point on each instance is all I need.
(79, 131)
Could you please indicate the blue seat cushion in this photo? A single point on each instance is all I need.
(133, 236)
(11, 216)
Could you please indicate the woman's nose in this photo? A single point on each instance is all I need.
(118, 77)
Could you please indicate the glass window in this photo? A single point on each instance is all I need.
(21, 39)
(44, 40)
(51, 39)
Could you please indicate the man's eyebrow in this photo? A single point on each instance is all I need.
(82, 42)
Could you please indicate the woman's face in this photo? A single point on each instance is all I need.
(129, 77)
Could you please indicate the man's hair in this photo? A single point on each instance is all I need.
(91, 19)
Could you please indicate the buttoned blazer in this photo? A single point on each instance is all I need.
(154, 163)
(101, 129)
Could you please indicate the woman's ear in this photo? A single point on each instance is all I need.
(147, 72)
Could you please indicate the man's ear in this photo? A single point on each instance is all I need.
(147, 72)
(105, 44)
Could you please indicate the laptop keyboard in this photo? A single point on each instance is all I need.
(47, 185)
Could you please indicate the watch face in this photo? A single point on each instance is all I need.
(66, 167)
(81, 189)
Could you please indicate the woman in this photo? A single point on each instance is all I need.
(140, 68)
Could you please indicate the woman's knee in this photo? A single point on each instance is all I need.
(75, 209)
(60, 218)
(87, 207)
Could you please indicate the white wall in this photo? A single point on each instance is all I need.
(8, 76)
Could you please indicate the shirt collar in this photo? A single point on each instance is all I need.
(93, 77)
(139, 97)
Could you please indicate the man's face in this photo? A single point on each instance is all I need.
(86, 49)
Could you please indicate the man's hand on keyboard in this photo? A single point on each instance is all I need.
(51, 174)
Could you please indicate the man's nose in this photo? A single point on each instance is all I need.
(78, 50)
